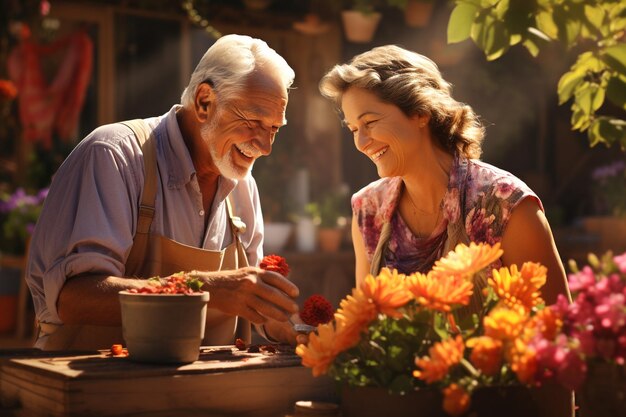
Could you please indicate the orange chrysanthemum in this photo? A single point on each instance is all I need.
(320, 352)
(442, 356)
(456, 400)
(548, 322)
(387, 291)
(519, 287)
(523, 361)
(355, 312)
(486, 354)
(438, 291)
(465, 260)
(505, 323)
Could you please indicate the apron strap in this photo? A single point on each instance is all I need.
(147, 142)
(243, 330)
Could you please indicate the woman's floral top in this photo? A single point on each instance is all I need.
(479, 195)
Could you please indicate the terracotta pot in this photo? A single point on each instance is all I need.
(604, 392)
(163, 328)
(257, 4)
(329, 239)
(417, 12)
(376, 402)
(360, 27)
(510, 401)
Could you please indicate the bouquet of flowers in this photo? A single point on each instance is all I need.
(18, 215)
(585, 350)
(437, 330)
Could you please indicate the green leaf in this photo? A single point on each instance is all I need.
(580, 120)
(568, 83)
(531, 46)
(515, 39)
(607, 130)
(589, 97)
(501, 9)
(490, 35)
(568, 25)
(460, 23)
(594, 17)
(616, 91)
(545, 24)
(401, 384)
(615, 57)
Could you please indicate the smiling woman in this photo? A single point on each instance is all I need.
(434, 193)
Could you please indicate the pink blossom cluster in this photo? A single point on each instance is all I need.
(592, 327)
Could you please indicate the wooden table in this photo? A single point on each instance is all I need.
(223, 382)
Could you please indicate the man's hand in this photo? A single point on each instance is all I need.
(250, 292)
(284, 332)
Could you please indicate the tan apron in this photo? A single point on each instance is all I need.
(153, 255)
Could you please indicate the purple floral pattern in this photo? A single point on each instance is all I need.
(479, 195)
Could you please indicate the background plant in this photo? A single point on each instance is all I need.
(596, 82)
(18, 215)
(609, 188)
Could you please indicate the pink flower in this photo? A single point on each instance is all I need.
(504, 190)
(582, 280)
(620, 261)
(572, 369)
(611, 312)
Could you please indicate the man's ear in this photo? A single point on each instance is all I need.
(204, 104)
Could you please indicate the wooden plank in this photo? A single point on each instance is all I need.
(225, 381)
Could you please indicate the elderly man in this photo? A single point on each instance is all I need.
(166, 194)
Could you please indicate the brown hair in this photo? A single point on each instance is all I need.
(413, 83)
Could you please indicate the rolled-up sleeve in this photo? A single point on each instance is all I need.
(87, 222)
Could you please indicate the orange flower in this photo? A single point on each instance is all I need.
(355, 312)
(8, 91)
(504, 323)
(438, 291)
(519, 288)
(320, 352)
(548, 322)
(523, 361)
(456, 400)
(443, 355)
(387, 291)
(465, 261)
(486, 354)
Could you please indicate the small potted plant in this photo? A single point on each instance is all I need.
(361, 17)
(400, 343)
(164, 321)
(330, 215)
(609, 197)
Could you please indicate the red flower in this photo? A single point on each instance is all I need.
(275, 263)
(7, 90)
(316, 310)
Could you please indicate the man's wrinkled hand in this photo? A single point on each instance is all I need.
(250, 292)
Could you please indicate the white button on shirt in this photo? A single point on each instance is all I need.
(89, 217)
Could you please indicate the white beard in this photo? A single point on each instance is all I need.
(225, 163)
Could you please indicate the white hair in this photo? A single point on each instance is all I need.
(229, 61)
